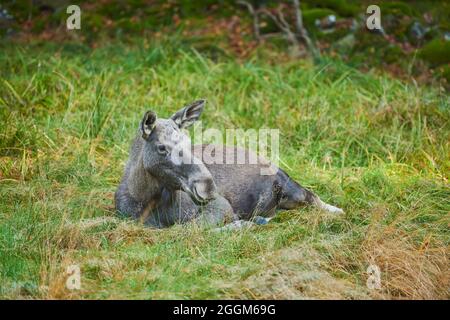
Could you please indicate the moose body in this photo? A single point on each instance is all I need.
(161, 190)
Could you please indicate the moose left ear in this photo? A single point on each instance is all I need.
(189, 114)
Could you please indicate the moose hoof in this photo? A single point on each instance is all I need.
(333, 209)
(261, 220)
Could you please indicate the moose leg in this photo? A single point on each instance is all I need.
(313, 199)
(216, 211)
(294, 195)
(267, 204)
(263, 212)
(327, 207)
(127, 206)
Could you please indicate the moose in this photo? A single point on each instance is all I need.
(160, 190)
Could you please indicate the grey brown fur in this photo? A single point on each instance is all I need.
(160, 191)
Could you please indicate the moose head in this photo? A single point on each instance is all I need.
(168, 156)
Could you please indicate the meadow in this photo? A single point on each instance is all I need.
(373, 145)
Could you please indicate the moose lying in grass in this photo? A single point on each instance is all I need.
(160, 190)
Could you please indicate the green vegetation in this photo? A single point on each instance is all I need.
(342, 7)
(224, 28)
(436, 52)
(398, 9)
(375, 146)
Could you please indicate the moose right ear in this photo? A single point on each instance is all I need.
(148, 124)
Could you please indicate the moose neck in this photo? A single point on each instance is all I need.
(142, 185)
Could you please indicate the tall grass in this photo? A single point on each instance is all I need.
(375, 146)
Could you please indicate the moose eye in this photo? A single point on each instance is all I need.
(162, 149)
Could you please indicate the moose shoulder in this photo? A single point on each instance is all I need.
(166, 181)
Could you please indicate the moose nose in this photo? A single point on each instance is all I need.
(204, 189)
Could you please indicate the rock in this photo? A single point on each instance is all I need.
(447, 36)
(261, 220)
(5, 16)
(326, 23)
(6, 22)
(436, 52)
(417, 31)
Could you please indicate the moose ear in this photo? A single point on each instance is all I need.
(189, 114)
(148, 124)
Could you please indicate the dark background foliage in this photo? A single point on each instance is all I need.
(414, 42)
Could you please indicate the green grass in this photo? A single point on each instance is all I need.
(376, 147)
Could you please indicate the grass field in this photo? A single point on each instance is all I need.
(372, 145)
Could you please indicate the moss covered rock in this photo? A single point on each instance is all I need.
(436, 52)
